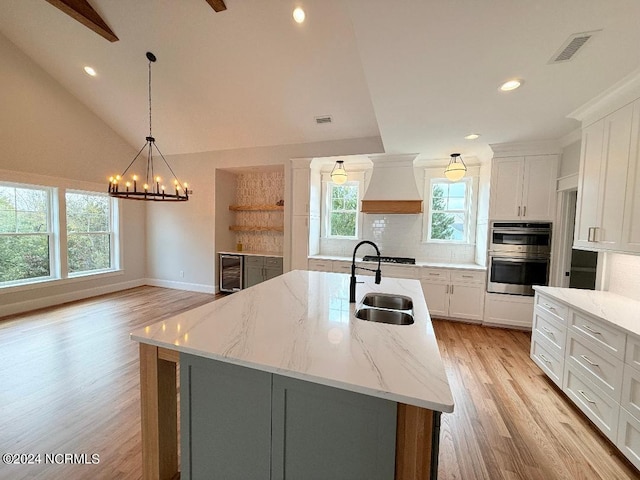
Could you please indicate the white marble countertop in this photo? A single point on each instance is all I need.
(302, 325)
(461, 266)
(620, 311)
(251, 254)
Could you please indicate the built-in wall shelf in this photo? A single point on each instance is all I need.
(256, 208)
(255, 228)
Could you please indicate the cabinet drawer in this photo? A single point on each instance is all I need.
(548, 362)
(557, 309)
(467, 276)
(343, 267)
(629, 437)
(611, 339)
(320, 265)
(435, 274)
(630, 399)
(273, 262)
(394, 271)
(602, 368)
(594, 403)
(545, 326)
(253, 260)
(632, 356)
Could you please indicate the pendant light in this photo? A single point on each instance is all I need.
(455, 170)
(149, 185)
(339, 174)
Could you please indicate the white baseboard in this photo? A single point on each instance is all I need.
(43, 302)
(191, 287)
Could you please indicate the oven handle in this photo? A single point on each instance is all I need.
(521, 230)
(521, 259)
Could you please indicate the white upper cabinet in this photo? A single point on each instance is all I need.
(524, 188)
(631, 221)
(604, 180)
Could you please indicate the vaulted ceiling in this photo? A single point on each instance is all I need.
(419, 73)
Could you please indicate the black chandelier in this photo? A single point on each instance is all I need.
(153, 187)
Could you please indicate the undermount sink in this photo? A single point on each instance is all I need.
(386, 308)
(395, 317)
(387, 300)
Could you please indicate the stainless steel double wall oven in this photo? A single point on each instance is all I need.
(519, 257)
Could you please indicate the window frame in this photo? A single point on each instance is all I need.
(433, 176)
(51, 233)
(113, 232)
(355, 179)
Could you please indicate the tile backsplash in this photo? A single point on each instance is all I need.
(399, 236)
(260, 188)
(624, 275)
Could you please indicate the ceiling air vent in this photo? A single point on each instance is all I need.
(569, 48)
(324, 119)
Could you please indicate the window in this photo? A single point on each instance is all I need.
(449, 211)
(25, 233)
(342, 210)
(89, 232)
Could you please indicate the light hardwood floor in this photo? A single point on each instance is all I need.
(69, 384)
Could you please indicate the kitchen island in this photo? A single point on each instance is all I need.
(298, 328)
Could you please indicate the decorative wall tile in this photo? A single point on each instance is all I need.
(260, 188)
(624, 275)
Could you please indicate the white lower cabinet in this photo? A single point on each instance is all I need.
(629, 437)
(594, 403)
(542, 355)
(595, 363)
(508, 310)
(455, 294)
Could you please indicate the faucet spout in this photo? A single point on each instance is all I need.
(352, 283)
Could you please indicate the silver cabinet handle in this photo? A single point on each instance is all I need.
(451, 290)
(467, 276)
(586, 359)
(447, 289)
(547, 331)
(524, 211)
(589, 235)
(518, 210)
(434, 274)
(591, 330)
(585, 396)
(544, 359)
(549, 306)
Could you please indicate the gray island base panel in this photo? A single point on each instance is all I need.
(239, 423)
(298, 337)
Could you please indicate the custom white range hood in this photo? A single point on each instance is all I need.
(392, 188)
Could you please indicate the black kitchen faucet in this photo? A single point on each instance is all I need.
(352, 284)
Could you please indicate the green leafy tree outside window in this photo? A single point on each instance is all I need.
(343, 214)
(88, 232)
(24, 234)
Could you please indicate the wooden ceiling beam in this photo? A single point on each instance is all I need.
(217, 5)
(84, 13)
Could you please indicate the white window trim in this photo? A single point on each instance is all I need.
(354, 177)
(58, 232)
(114, 231)
(473, 179)
(52, 231)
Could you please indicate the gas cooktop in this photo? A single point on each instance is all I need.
(405, 260)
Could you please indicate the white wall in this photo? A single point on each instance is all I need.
(187, 241)
(50, 138)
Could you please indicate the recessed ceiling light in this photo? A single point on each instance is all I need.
(472, 136)
(299, 15)
(510, 85)
(90, 71)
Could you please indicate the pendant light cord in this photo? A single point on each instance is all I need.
(150, 98)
